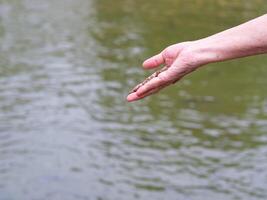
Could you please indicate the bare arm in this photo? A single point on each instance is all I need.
(244, 40)
(180, 59)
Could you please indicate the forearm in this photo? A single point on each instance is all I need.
(183, 58)
(244, 40)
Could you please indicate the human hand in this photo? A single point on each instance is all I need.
(178, 60)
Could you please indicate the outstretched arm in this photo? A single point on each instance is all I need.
(180, 59)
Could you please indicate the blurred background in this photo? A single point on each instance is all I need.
(67, 132)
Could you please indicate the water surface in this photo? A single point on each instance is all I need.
(66, 131)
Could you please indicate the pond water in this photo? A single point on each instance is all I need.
(67, 132)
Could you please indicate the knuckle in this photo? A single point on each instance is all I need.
(167, 52)
(156, 60)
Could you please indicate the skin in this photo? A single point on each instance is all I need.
(183, 58)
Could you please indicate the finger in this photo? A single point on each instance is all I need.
(166, 77)
(134, 97)
(153, 62)
(153, 91)
(150, 85)
(148, 94)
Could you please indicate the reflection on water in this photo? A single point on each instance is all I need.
(66, 131)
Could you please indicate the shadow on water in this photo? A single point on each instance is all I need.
(66, 131)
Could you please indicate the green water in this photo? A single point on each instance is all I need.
(67, 132)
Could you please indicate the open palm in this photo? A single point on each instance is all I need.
(177, 63)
